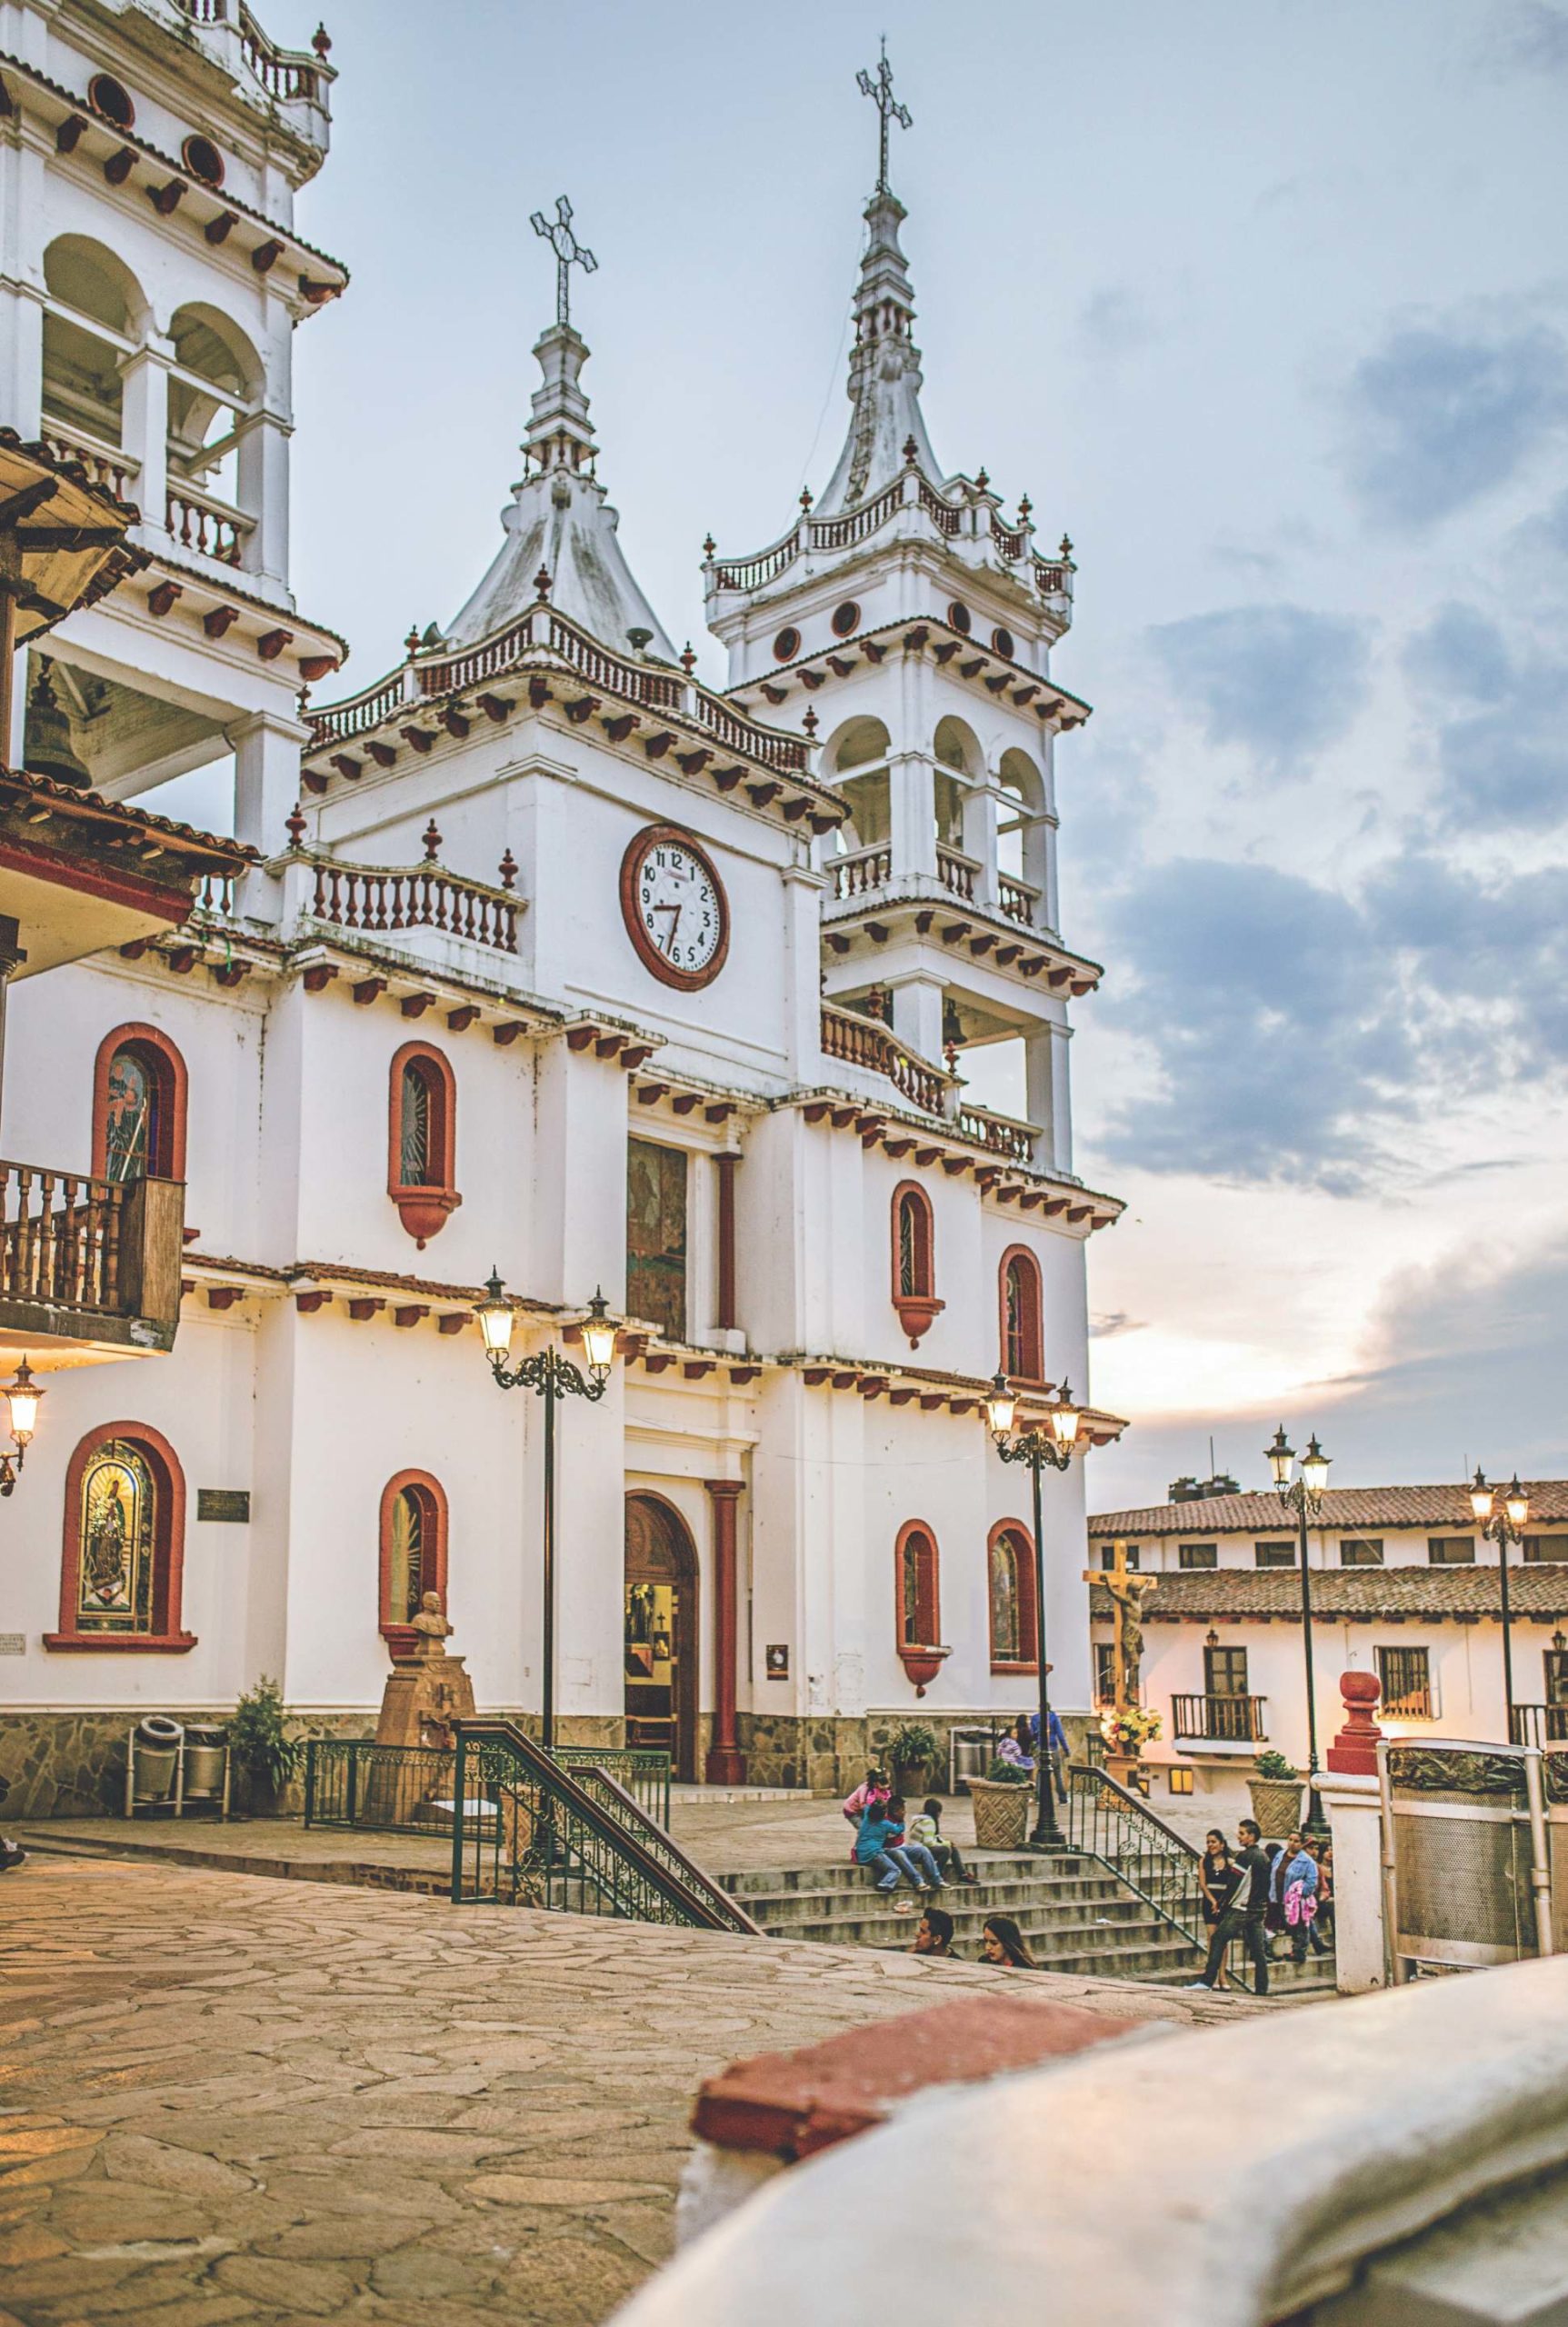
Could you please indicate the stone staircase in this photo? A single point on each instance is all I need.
(1075, 1912)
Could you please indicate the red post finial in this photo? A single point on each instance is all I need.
(688, 659)
(294, 824)
(321, 43)
(412, 641)
(541, 581)
(982, 483)
(1066, 549)
(911, 452)
(509, 871)
(1024, 506)
(1354, 1750)
(709, 546)
(810, 722)
(432, 842)
(805, 496)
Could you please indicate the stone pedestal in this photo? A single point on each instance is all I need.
(424, 1695)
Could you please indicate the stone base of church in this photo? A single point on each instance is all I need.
(829, 1754)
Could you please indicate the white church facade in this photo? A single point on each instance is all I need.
(550, 960)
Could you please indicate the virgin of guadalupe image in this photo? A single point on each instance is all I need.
(106, 1556)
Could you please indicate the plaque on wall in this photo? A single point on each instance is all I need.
(231, 1504)
(778, 1660)
(13, 1644)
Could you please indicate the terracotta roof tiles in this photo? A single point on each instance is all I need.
(1350, 1510)
(1536, 1592)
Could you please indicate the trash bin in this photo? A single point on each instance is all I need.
(157, 1752)
(206, 1750)
(972, 1756)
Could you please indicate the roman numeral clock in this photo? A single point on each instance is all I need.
(675, 910)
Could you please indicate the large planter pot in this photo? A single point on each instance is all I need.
(1000, 1814)
(1276, 1806)
(912, 1779)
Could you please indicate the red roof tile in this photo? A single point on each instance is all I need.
(1350, 1510)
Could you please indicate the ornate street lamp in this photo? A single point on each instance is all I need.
(1304, 1497)
(1062, 1437)
(1501, 1526)
(551, 1376)
(23, 1395)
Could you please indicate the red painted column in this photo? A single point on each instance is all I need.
(725, 1763)
(725, 1166)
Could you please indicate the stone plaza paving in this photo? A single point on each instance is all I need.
(227, 2097)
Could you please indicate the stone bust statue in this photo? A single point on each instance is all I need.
(431, 1625)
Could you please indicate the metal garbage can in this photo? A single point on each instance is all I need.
(972, 1757)
(155, 1753)
(206, 1750)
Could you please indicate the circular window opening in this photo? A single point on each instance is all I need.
(787, 645)
(1002, 643)
(203, 160)
(958, 617)
(105, 96)
(846, 618)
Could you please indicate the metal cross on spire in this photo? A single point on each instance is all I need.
(569, 253)
(880, 91)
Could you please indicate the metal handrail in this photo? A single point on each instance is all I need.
(352, 1782)
(1155, 1862)
(604, 1784)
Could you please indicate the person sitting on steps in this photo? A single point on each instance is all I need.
(927, 1829)
(882, 1847)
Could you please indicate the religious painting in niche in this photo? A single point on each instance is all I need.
(917, 1621)
(118, 1519)
(1006, 1611)
(133, 1116)
(415, 1160)
(408, 1555)
(657, 1235)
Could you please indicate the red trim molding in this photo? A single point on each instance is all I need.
(1032, 1335)
(400, 1636)
(922, 1658)
(684, 980)
(170, 1067)
(168, 1548)
(424, 1209)
(1014, 1531)
(916, 1303)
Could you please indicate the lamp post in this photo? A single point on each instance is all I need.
(551, 1376)
(1303, 1496)
(22, 1395)
(1503, 1525)
(1055, 1445)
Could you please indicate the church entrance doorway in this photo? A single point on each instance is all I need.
(661, 1635)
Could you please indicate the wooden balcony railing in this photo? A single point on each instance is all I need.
(867, 869)
(1533, 1724)
(419, 896)
(861, 1042)
(1003, 1134)
(956, 871)
(210, 527)
(97, 1247)
(104, 464)
(1016, 899)
(1219, 1721)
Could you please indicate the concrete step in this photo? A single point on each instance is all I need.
(784, 1910)
(992, 1867)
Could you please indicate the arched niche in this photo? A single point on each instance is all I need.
(83, 387)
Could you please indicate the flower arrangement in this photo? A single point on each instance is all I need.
(1130, 1730)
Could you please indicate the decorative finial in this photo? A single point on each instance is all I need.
(1024, 506)
(806, 497)
(1066, 549)
(982, 483)
(688, 659)
(294, 824)
(569, 253)
(880, 91)
(709, 546)
(542, 582)
(911, 452)
(412, 641)
(431, 839)
(321, 43)
(509, 870)
(810, 722)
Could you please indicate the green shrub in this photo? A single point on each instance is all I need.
(1274, 1765)
(258, 1739)
(912, 1742)
(1008, 1773)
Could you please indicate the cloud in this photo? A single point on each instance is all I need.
(1282, 681)
(1107, 1325)
(1113, 322)
(1530, 37)
(1498, 720)
(1441, 415)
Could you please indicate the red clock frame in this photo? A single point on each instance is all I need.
(684, 980)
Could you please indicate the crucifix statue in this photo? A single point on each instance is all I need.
(880, 91)
(569, 253)
(1127, 1589)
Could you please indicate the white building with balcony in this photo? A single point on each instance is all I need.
(555, 961)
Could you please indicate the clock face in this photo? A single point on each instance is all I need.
(674, 906)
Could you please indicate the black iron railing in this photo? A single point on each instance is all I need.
(528, 1833)
(409, 1789)
(1150, 1857)
(1221, 1721)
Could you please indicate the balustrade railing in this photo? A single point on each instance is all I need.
(752, 573)
(419, 896)
(867, 869)
(1016, 899)
(661, 689)
(1152, 1859)
(944, 517)
(209, 527)
(956, 873)
(856, 524)
(1533, 1724)
(359, 713)
(1013, 541)
(1221, 1721)
(861, 1042)
(60, 1237)
(775, 751)
(1054, 581)
(1001, 1133)
(215, 897)
(104, 464)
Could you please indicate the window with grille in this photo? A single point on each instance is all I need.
(1552, 1548)
(1406, 1677)
(1191, 1555)
(1361, 1551)
(1274, 1555)
(1451, 1550)
(1224, 1672)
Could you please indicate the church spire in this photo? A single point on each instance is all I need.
(884, 363)
(558, 521)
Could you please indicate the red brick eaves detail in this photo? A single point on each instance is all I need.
(791, 2104)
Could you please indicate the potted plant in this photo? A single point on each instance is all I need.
(261, 1751)
(1001, 1799)
(913, 1748)
(1275, 1786)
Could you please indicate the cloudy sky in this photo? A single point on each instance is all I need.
(1266, 303)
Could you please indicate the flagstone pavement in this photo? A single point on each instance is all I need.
(230, 2098)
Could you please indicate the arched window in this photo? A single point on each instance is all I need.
(913, 1262)
(1010, 1579)
(413, 1553)
(139, 1092)
(422, 1141)
(123, 1557)
(1023, 1338)
(917, 1584)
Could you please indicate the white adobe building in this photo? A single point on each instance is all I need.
(552, 959)
(1404, 1585)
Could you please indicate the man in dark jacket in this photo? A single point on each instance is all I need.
(1243, 1917)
